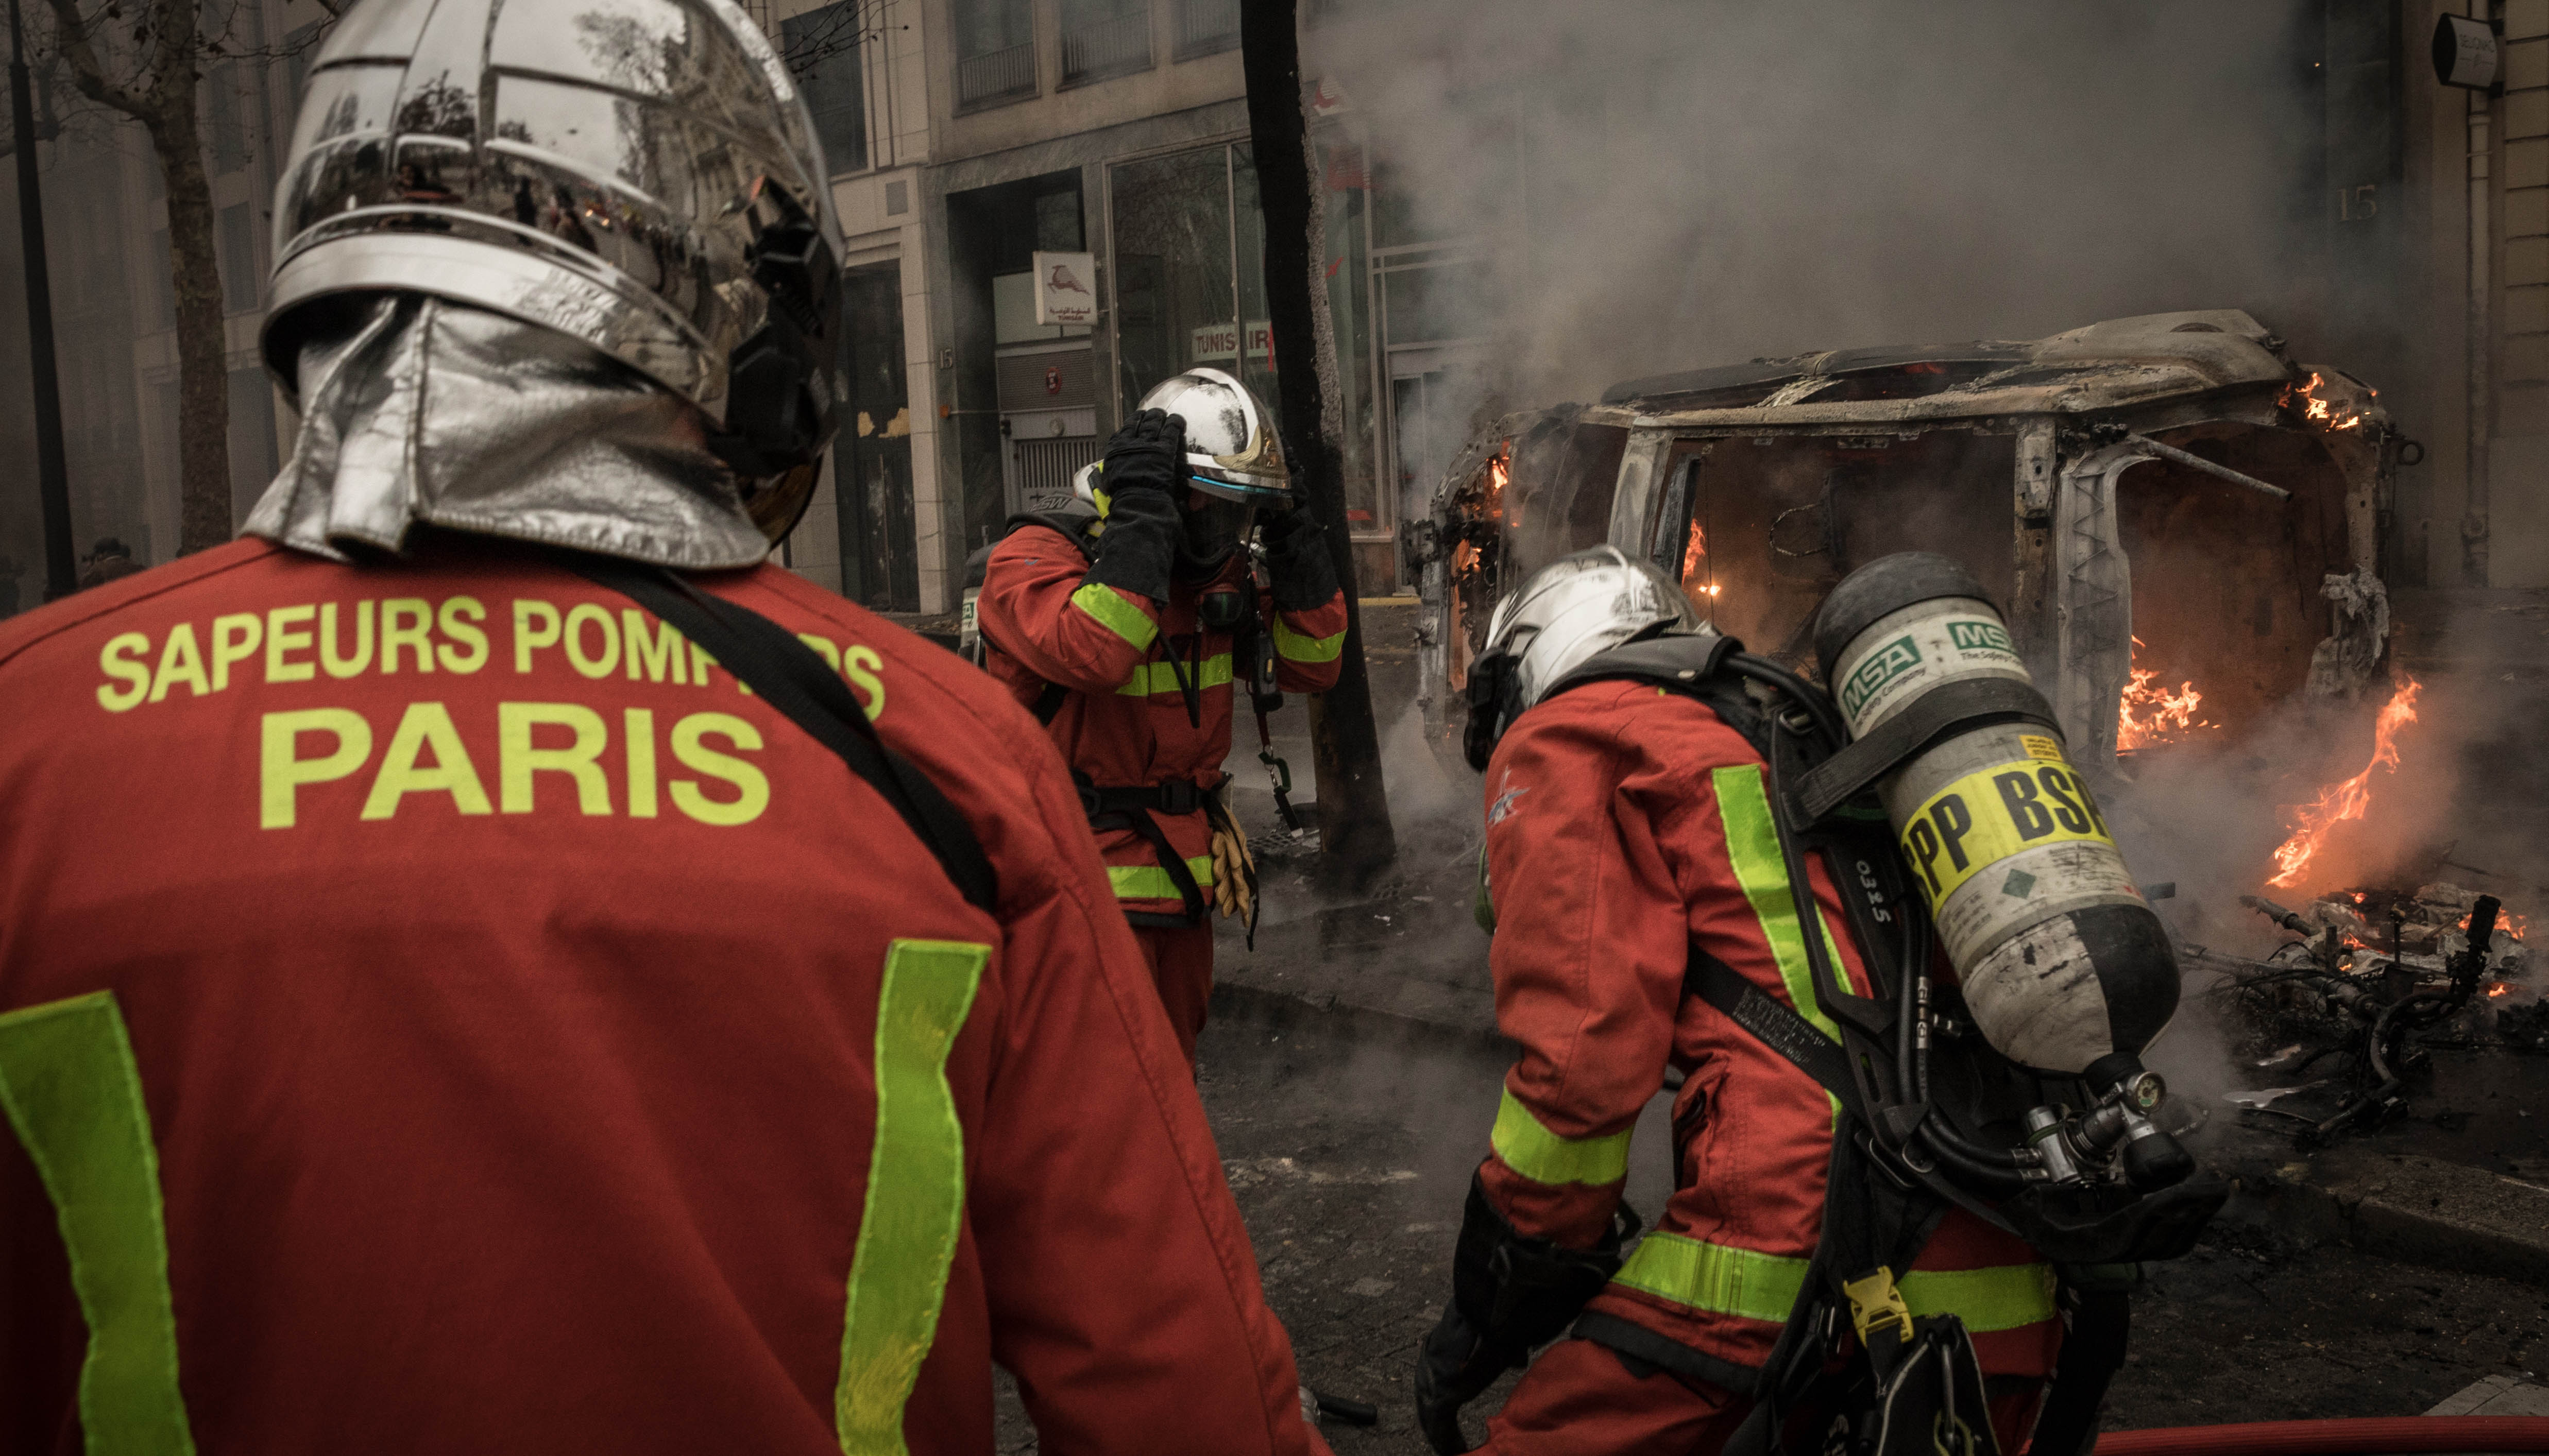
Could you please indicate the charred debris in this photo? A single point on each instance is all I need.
(2350, 1009)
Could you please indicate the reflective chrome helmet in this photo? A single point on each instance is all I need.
(640, 175)
(1570, 609)
(1232, 451)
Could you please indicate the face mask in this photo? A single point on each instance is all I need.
(1213, 529)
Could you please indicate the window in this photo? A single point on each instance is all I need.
(1206, 27)
(300, 48)
(1104, 38)
(995, 52)
(252, 457)
(238, 259)
(229, 126)
(823, 48)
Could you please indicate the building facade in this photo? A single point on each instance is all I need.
(968, 138)
(1105, 135)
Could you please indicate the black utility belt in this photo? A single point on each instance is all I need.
(1177, 797)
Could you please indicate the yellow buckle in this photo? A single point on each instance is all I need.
(1875, 1302)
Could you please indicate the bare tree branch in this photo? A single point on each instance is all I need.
(88, 72)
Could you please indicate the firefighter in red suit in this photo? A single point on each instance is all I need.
(1126, 630)
(1626, 825)
(443, 1010)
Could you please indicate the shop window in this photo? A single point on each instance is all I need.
(1177, 297)
(1189, 240)
(823, 49)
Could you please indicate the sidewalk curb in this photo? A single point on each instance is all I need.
(2443, 1216)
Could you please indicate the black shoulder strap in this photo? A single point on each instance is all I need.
(1672, 658)
(1071, 525)
(787, 674)
(1970, 703)
(1689, 664)
(1775, 1024)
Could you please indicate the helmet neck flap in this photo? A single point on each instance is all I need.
(419, 412)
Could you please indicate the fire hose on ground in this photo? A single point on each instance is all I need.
(2408, 1435)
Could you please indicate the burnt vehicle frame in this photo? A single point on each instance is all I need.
(2250, 492)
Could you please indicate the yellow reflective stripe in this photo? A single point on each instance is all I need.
(1722, 1280)
(1301, 648)
(1750, 1284)
(1161, 677)
(2008, 1297)
(1151, 882)
(1531, 1149)
(1752, 846)
(1116, 614)
(916, 1199)
(74, 1094)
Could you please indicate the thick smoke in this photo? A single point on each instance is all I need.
(1673, 184)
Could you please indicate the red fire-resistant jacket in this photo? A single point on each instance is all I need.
(1622, 825)
(440, 1010)
(1124, 723)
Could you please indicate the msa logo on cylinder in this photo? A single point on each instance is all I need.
(1882, 665)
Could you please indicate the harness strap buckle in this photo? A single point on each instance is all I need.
(1876, 1304)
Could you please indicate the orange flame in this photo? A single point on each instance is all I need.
(2340, 802)
(2151, 714)
(1499, 473)
(2315, 409)
(2499, 989)
(1691, 556)
(2506, 920)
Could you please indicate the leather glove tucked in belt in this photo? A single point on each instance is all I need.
(1297, 561)
(1510, 1293)
(1140, 476)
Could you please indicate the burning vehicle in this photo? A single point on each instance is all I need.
(2143, 495)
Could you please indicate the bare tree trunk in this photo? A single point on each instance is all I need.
(1354, 832)
(161, 97)
(203, 374)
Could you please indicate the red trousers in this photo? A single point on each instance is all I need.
(1182, 967)
(1579, 1400)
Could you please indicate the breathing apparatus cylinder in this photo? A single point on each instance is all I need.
(2062, 963)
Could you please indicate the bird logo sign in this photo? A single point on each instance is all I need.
(1063, 293)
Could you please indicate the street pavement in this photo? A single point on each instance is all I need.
(1349, 1144)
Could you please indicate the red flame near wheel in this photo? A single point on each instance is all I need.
(2340, 802)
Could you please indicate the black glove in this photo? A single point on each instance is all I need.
(1296, 558)
(1510, 1295)
(1140, 477)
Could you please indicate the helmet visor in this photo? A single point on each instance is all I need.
(1213, 526)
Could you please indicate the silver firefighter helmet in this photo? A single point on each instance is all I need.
(1231, 450)
(1568, 611)
(640, 175)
